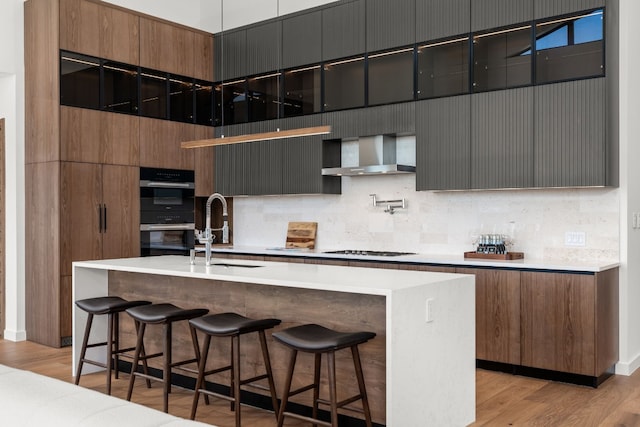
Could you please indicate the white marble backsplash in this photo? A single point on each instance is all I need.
(439, 222)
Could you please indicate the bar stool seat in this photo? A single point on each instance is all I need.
(316, 339)
(232, 325)
(161, 314)
(112, 306)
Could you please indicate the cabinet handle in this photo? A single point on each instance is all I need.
(105, 218)
(100, 218)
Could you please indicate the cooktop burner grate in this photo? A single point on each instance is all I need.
(368, 252)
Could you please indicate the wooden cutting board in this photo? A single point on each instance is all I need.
(301, 235)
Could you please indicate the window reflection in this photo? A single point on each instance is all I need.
(498, 60)
(264, 100)
(154, 94)
(344, 84)
(79, 80)
(570, 48)
(302, 91)
(443, 68)
(231, 103)
(120, 87)
(391, 76)
(204, 102)
(181, 99)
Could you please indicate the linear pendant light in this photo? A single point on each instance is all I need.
(253, 137)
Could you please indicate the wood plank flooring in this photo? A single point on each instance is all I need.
(501, 399)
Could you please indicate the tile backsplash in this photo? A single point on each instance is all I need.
(439, 222)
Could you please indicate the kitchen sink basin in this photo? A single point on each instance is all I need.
(226, 265)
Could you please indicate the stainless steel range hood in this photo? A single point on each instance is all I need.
(376, 155)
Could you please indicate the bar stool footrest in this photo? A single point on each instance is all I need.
(307, 419)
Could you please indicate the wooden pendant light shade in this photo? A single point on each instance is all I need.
(253, 137)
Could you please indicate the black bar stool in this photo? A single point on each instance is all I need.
(165, 315)
(232, 325)
(319, 340)
(112, 307)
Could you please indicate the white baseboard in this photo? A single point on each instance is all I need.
(15, 335)
(629, 367)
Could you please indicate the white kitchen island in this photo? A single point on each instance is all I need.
(425, 356)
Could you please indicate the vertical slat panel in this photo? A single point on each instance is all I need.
(547, 8)
(487, 14)
(443, 141)
(263, 48)
(502, 139)
(390, 24)
(386, 119)
(437, 19)
(302, 40)
(343, 30)
(233, 46)
(570, 134)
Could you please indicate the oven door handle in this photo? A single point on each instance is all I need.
(167, 227)
(164, 184)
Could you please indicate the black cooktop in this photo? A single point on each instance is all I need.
(367, 252)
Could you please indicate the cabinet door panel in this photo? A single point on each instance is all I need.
(79, 27)
(121, 196)
(119, 139)
(160, 144)
(119, 35)
(204, 163)
(166, 47)
(80, 135)
(558, 322)
(80, 199)
(497, 314)
(203, 52)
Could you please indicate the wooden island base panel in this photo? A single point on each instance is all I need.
(416, 371)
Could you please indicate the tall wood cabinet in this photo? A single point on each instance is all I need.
(82, 165)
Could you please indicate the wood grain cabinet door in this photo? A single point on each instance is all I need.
(497, 314)
(558, 322)
(121, 199)
(81, 198)
(79, 27)
(160, 144)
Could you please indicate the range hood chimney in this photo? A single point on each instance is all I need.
(376, 155)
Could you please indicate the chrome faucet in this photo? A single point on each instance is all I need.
(208, 232)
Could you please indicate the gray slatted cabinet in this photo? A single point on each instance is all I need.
(286, 166)
(546, 8)
(233, 45)
(497, 13)
(385, 119)
(302, 40)
(443, 143)
(390, 24)
(436, 19)
(502, 139)
(264, 48)
(570, 142)
(343, 30)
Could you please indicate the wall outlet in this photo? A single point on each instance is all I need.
(429, 310)
(575, 238)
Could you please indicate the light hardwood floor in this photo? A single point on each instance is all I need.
(502, 399)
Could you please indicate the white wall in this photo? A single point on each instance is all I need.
(208, 15)
(12, 109)
(630, 188)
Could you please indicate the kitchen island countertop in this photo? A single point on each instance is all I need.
(421, 364)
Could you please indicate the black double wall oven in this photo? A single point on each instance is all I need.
(167, 225)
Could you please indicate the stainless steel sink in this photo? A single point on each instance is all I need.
(226, 265)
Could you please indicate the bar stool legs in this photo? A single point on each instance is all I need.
(319, 340)
(112, 307)
(234, 326)
(165, 315)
